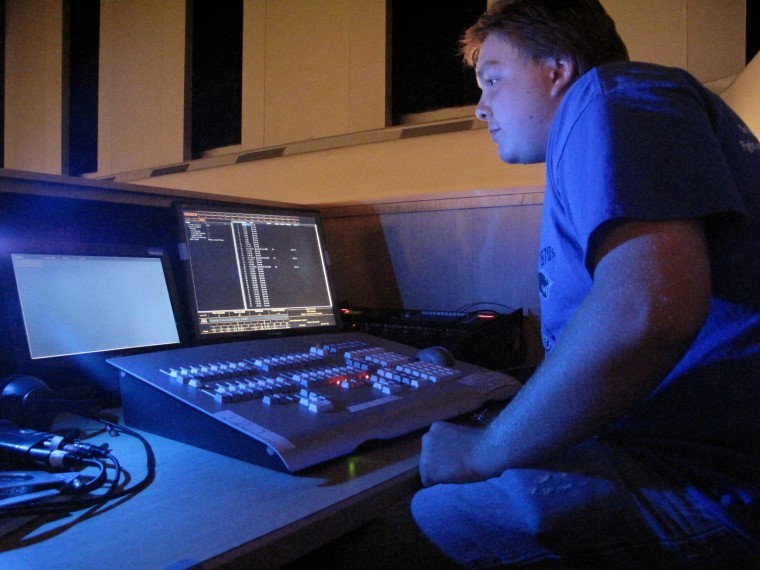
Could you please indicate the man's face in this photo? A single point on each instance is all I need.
(518, 100)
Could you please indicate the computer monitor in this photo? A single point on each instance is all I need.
(254, 271)
(76, 306)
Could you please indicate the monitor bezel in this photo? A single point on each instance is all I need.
(87, 369)
(186, 279)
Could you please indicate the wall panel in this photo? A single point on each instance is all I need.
(142, 99)
(34, 121)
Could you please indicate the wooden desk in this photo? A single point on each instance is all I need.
(207, 510)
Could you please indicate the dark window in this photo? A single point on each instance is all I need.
(217, 74)
(427, 70)
(81, 89)
(753, 29)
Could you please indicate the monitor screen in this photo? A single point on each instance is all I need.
(81, 304)
(255, 271)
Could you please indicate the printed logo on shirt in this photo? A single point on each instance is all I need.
(544, 284)
(546, 255)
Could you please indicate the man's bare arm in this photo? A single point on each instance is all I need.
(650, 297)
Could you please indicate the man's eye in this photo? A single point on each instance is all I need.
(490, 82)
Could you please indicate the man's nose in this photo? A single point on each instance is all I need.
(482, 111)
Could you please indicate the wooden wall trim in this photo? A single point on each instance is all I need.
(524, 196)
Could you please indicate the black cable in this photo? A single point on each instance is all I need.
(471, 306)
(76, 502)
(94, 483)
(149, 455)
(116, 476)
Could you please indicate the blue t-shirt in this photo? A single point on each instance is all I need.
(640, 141)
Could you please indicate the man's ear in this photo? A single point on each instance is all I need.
(564, 72)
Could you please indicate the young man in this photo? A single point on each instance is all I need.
(637, 441)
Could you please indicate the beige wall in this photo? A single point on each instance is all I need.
(313, 72)
(33, 85)
(141, 88)
(704, 36)
(325, 68)
(452, 162)
(744, 95)
(711, 23)
(310, 70)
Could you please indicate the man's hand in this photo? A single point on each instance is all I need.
(445, 454)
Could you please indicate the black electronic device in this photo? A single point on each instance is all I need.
(290, 403)
(29, 402)
(74, 305)
(254, 271)
(484, 337)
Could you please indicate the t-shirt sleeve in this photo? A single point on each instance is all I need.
(647, 155)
